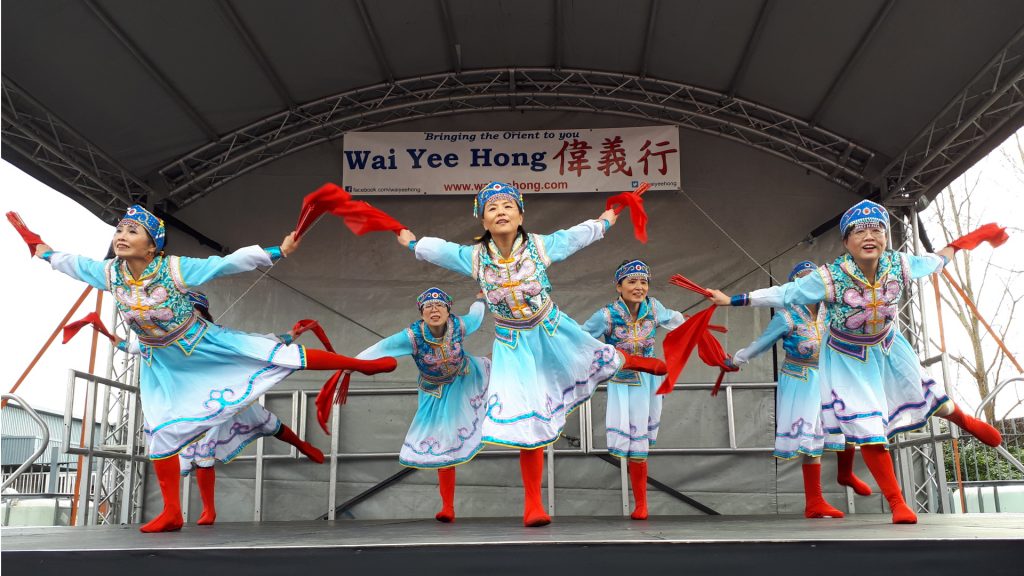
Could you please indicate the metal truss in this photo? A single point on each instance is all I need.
(535, 89)
(992, 98)
(118, 496)
(919, 455)
(117, 489)
(35, 133)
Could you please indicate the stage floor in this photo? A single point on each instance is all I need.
(988, 543)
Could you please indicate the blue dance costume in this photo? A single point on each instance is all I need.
(195, 375)
(798, 425)
(633, 414)
(447, 428)
(543, 364)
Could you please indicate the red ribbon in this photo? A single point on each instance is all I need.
(684, 282)
(634, 201)
(362, 218)
(694, 333)
(679, 344)
(72, 328)
(330, 392)
(306, 325)
(30, 237)
(359, 216)
(992, 233)
(318, 202)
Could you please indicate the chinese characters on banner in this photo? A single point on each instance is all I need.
(583, 160)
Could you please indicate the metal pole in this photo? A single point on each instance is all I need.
(186, 497)
(51, 478)
(81, 512)
(624, 479)
(731, 416)
(130, 492)
(257, 510)
(936, 446)
(332, 485)
(551, 478)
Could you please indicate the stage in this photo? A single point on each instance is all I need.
(988, 544)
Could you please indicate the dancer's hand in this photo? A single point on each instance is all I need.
(405, 237)
(42, 249)
(289, 244)
(719, 298)
(610, 216)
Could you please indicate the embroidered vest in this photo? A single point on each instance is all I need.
(155, 305)
(516, 288)
(634, 337)
(440, 361)
(803, 342)
(857, 307)
(860, 314)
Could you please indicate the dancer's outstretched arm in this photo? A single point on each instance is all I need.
(397, 344)
(666, 317)
(197, 271)
(777, 328)
(809, 289)
(454, 257)
(475, 317)
(190, 272)
(599, 324)
(928, 264)
(560, 245)
(84, 269)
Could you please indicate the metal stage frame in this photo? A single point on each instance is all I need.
(991, 100)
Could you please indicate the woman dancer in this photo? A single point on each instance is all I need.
(874, 384)
(543, 364)
(195, 375)
(446, 430)
(633, 414)
(224, 442)
(798, 400)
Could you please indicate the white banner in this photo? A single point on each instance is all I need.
(585, 160)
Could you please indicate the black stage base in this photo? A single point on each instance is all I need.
(967, 545)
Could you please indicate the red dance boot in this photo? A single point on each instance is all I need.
(286, 434)
(642, 364)
(324, 360)
(206, 478)
(531, 464)
(816, 506)
(169, 478)
(880, 463)
(638, 480)
(446, 486)
(846, 477)
(980, 430)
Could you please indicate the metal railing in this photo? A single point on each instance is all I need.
(53, 483)
(92, 501)
(42, 445)
(1012, 440)
(587, 447)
